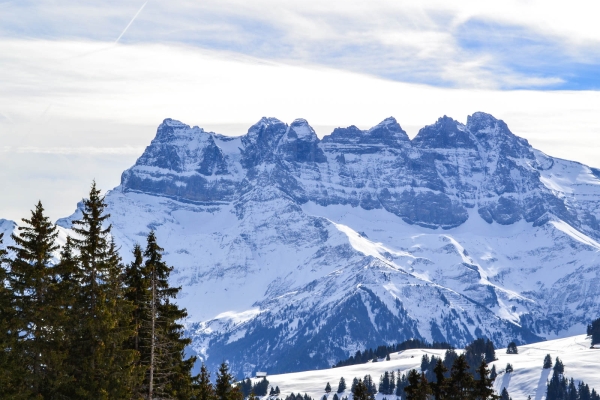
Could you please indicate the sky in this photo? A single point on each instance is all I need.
(84, 84)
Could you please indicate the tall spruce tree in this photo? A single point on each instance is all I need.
(483, 388)
(593, 330)
(169, 373)
(205, 389)
(342, 385)
(224, 390)
(439, 387)
(11, 367)
(101, 364)
(461, 381)
(39, 317)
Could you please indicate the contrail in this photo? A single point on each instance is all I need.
(130, 22)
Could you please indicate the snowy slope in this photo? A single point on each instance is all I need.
(294, 252)
(527, 379)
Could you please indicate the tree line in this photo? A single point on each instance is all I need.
(82, 325)
(383, 352)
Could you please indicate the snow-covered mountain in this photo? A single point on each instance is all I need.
(294, 252)
(527, 379)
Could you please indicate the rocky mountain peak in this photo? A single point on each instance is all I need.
(446, 133)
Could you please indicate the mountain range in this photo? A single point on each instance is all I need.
(295, 251)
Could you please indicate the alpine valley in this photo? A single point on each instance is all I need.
(294, 252)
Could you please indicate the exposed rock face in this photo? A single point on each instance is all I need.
(295, 251)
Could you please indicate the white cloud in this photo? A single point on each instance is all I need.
(404, 40)
(90, 100)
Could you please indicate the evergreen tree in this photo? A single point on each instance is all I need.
(490, 352)
(493, 373)
(512, 348)
(342, 385)
(328, 388)
(559, 367)
(547, 362)
(101, 365)
(439, 387)
(509, 368)
(593, 330)
(418, 388)
(584, 392)
(483, 388)
(461, 381)
(39, 318)
(169, 374)
(11, 367)
(572, 391)
(504, 395)
(360, 391)
(223, 385)
(354, 383)
(335, 397)
(205, 389)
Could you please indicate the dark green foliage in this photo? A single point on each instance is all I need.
(461, 381)
(328, 388)
(547, 362)
(99, 361)
(335, 397)
(559, 367)
(478, 350)
(439, 386)
(504, 395)
(260, 388)
(387, 383)
(593, 330)
(11, 367)
(418, 388)
(341, 385)
(354, 383)
(384, 351)
(39, 318)
(509, 368)
(401, 384)
(223, 384)
(512, 348)
(160, 336)
(360, 391)
(298, 396)
(483, 386)
(204, 388)
(493, 373)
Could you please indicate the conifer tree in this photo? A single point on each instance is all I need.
(169, 373)
(328, 388)
(493, 373)
(223, 388)
(360, 391)
(593, 330)
(39, 317)
(504, 395)
(11, 370)
(461, 381)
(483, 387)
(439, 387)
(101, 364)
(547, 362)
(512, 348)
(418, 388)
(342, 385)
(205, 390)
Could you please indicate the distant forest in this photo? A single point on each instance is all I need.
(383, 352)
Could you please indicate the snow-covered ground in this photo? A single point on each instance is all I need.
(527, 379)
